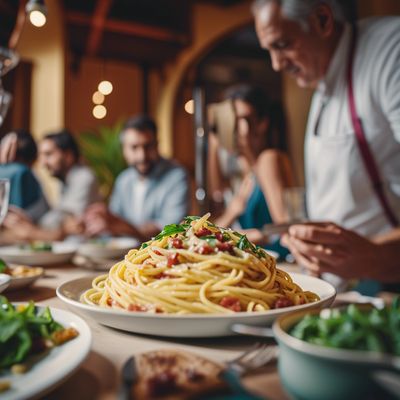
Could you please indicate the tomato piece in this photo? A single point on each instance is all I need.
(136, 307)
(283, 302)
(232, 303)
(203, 232)
(205, 249)
(225, 247)
(172, 259)
(177, 243)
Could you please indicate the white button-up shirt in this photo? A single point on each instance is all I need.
(338, 186)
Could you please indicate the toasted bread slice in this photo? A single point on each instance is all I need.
(170, 374)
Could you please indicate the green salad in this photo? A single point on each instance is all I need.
(353, 328)
(37, 245)
(26, 330)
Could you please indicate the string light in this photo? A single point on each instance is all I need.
(99, 111)
(98, 98)
(105, 87)
(189, 106)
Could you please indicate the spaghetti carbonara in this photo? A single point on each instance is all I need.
(196, 267)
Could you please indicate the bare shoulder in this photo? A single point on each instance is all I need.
(270, 157)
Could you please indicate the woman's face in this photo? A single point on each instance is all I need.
(251, 130)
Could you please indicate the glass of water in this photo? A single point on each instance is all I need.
(4, 198)
(294, 199)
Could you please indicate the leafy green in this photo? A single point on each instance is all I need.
(354, 328)
(3, 266)
(170, 230)
(20, 328)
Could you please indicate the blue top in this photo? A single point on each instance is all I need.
(25, 190)
(257, 215)
(165, 199)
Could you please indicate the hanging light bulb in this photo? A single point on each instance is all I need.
(98, 97)
(99, 111)
(105, 87)
(189, 106)
(37, 11)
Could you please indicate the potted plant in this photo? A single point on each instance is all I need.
(101, 149)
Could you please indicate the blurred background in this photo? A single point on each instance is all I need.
(154, 53)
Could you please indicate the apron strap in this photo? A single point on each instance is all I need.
(365, 151)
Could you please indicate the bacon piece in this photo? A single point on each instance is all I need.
(205, 249)
(136, 307)
(177, 243)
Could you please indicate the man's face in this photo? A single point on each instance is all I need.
(292, 49)
(251, 129)
(140, 150)
(53, 158)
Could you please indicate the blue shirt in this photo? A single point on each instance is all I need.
(25, 190)
(166, 197)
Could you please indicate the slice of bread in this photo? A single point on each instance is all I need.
(170, 374)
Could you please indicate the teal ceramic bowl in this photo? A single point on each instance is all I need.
(312, 372)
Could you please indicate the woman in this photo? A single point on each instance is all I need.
(265, 166)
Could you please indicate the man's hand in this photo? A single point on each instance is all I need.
(19, 224)
(98, 219)
(326, 247)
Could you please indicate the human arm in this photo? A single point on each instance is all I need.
(274, 174)
(216, 182)
(19, 227)
(98, 219)
(327, 247)
(8, 148)
(237, 205)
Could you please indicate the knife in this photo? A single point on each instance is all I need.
(128, 378)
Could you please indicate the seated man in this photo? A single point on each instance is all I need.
(151, 193)
(59, 154)
(18, 153)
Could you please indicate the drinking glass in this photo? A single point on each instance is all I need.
(294, 200)
(5, 101)
(4, 198)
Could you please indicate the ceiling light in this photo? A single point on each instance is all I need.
(37, 11)
(99, 111)
(98, 98)
(105, 87)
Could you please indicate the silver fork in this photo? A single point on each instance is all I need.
(256, 357)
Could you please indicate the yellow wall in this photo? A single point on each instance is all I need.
(44, 47)
(209, 23)
(125, 99)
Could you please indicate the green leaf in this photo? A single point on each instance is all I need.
(3, 266)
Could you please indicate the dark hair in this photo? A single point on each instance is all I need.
(264, 108)
(26, 147)
(65, 141)
(140, 123)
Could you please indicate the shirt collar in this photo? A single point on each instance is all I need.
(338, 64)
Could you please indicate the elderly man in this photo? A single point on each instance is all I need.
(353, 135)
(149, 194)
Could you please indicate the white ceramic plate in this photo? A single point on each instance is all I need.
(56, 366)
(19, 282)
(4, 281)
(110, 249)
(194, 325)
(61, 252)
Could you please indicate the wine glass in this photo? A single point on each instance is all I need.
(4, 198)
(294, 199)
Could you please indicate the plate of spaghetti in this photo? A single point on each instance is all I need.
(194, 279)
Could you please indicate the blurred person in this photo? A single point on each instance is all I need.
(150, 193)
(18, 153)
(355, 72)
(59, 154)
(266, 168)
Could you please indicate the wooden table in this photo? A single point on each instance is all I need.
(99, 376)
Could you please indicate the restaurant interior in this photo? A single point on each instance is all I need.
(129, 331)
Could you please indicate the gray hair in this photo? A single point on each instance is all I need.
(299, 10)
